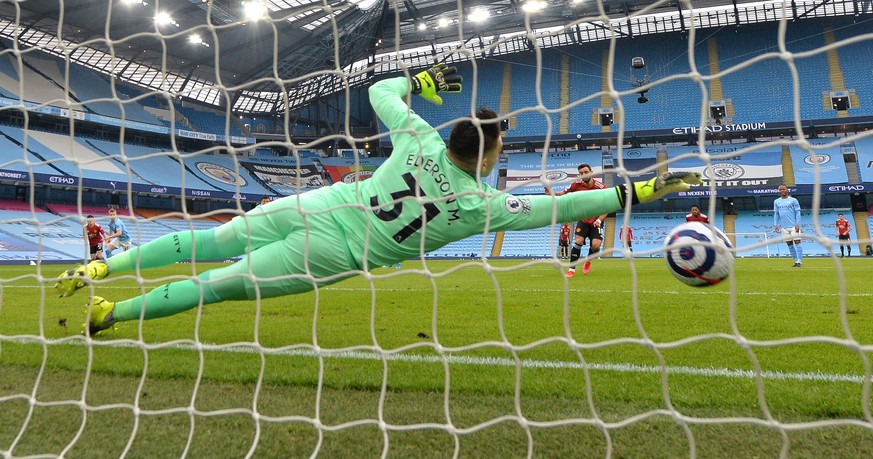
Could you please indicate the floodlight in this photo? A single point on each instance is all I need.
(478, 15)
(163, 18)
(254, 10)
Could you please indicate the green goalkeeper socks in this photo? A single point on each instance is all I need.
(209, 287)
(173, 248)
(163, 301)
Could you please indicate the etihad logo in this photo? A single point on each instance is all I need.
(846, 188)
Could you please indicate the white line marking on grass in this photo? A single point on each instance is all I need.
(462, 360)
(587, 289)
(535, 290)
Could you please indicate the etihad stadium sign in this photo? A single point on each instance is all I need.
(741, 127)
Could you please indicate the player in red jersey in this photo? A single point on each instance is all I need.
(696, 216)
(627, 235)
(564, 241)
(844, 229)
(95, 234)
(592, 228)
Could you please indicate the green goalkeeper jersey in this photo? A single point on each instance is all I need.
(418, 200)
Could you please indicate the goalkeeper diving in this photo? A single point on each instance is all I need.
(426, 195)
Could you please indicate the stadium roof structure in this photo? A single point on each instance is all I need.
(215, 52)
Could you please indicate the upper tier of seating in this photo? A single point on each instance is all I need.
(758, 92)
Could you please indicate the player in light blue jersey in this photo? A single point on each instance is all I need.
(118, 237)
(424, 196)
(786, 217)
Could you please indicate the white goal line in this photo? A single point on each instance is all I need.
(726, 373)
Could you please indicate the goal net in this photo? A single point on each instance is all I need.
(182, 115)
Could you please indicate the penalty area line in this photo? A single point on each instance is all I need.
(726, 373)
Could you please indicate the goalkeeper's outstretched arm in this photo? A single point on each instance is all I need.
(508, 212)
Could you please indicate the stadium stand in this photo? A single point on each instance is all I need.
(470, 247)
(753, 227)
(62, 155)
(524, 75)
(150, 165)
(40, 235)
(37, 88)
(72, 209)
(864, 150)
(207, 121)
(650, 229)
(7, 204)
(585, 75)
(488, 93)
(222, 171)
(16, 158)
(156, 107)
(671, 103)
(831, 166)
(89, 86)
(533, 243)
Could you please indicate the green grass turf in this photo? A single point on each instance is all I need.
(502, 360)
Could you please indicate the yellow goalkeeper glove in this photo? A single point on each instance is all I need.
(439, 78)
(660, 186)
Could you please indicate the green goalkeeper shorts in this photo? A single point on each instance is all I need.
(293, 245)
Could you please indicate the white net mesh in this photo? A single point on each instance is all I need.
(481, 348)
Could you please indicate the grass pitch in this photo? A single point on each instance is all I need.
(507, 359)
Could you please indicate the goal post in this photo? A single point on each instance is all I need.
(475, 357)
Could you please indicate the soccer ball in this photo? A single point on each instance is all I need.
(697, 254)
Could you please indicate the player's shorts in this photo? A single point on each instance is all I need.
(588, 231)
(124, 245)
(844, 237)
(96, 248)
(563, 243)
(294, 245)
(791, 233)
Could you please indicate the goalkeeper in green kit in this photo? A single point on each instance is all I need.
(424, 196)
